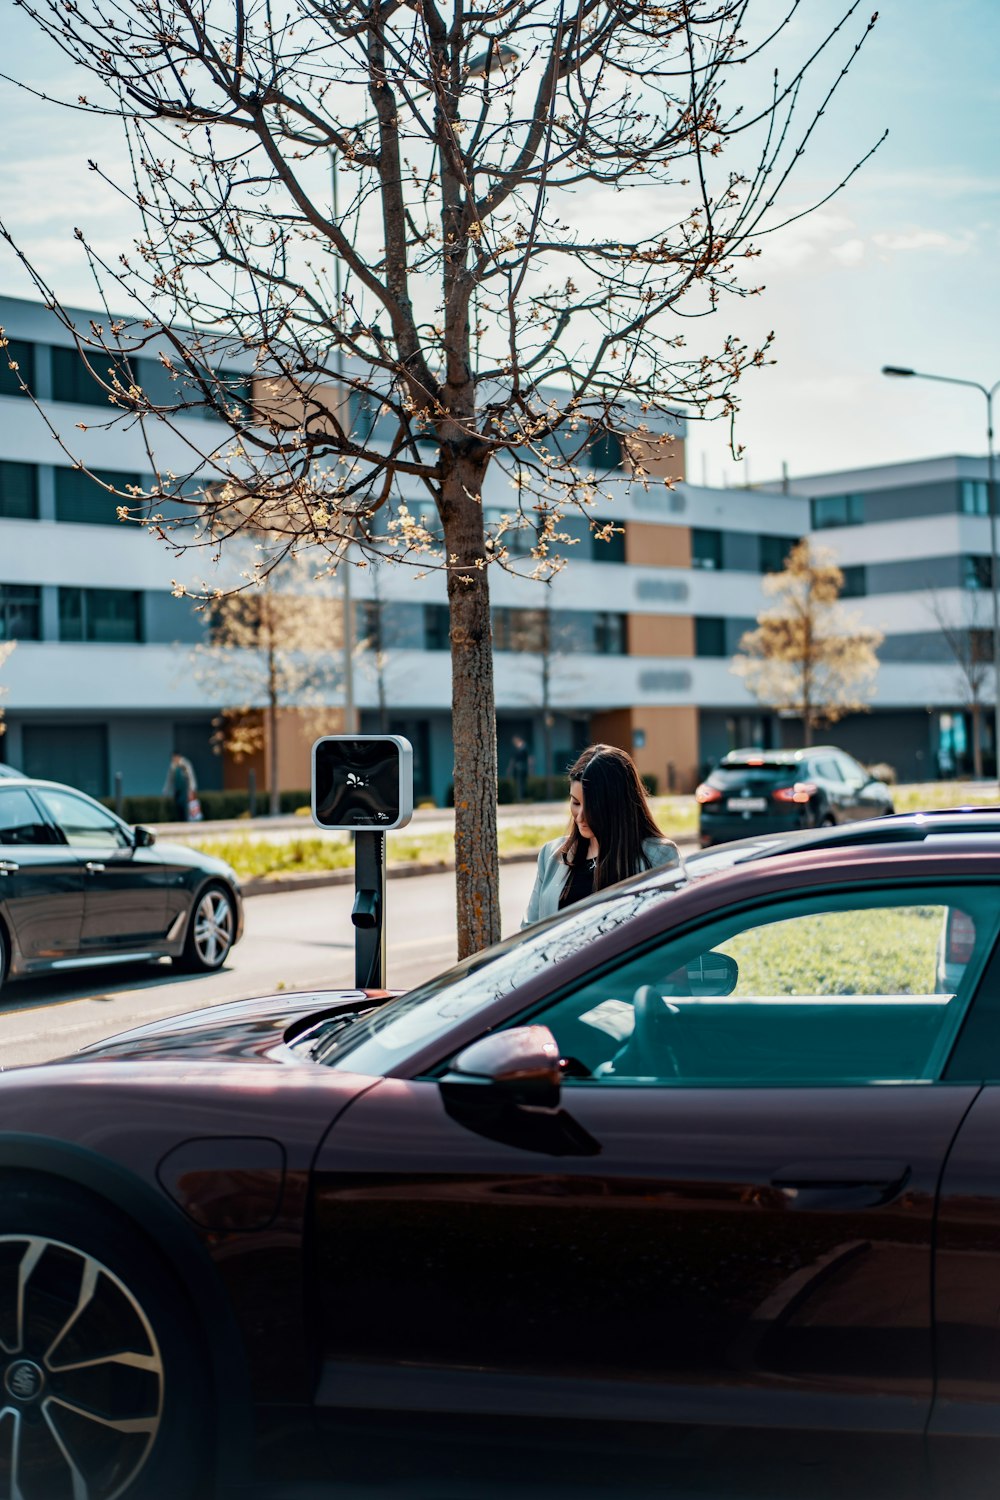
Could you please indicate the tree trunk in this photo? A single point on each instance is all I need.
(473, 710)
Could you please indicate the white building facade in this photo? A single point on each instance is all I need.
(101, 687)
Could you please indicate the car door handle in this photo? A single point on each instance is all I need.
(841, 1184)
(8, 866)
(94, 867)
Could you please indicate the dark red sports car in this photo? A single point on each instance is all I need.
(714, 1158)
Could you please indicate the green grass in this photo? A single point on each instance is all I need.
(884, 951)
(924, 797)
(251, 857)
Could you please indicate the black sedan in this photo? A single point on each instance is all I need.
(77, 886)
(774, 791)
(692, 1168)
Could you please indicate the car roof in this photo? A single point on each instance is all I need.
(946, 858)
(895, 828)
(776, 757)
(910, 830)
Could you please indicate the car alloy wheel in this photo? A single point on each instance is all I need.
(81, 1374)
(212, 928)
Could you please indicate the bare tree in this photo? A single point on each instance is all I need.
(969, 639)
(455, 300)
(808, 656)
(270, 651)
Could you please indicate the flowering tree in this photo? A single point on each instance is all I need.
(268, 651)
(528, 204)
(808, 656)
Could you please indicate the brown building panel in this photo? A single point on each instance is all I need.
(669, 748)
(651, 546)
(659, 457)
(660, 635)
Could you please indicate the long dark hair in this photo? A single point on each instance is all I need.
(617, 812)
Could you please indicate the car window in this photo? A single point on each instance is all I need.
(851, 770)
(384, 1038)
(828, 769)
(20, 820)
(85, 824)
(828, 989)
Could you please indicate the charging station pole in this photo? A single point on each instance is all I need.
(363, 784)
(368, 915)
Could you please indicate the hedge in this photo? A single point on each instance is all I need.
(214, 806)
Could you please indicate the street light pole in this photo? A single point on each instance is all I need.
(991, 494)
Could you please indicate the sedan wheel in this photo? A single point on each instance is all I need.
(210, 931)
(92, 1406)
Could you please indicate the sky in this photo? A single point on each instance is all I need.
(900, 268)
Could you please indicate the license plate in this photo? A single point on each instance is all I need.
(747, 804)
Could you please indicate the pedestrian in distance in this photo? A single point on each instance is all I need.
(519, 767)
(181, 787)
(612, 834)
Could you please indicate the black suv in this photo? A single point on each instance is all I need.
(771, 791)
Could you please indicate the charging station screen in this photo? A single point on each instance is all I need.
(356, 783)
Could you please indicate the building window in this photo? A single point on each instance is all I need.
(22, 354)
(837, 510)
(72, 380)
(710, 636)
(437, 628)
(974, 497)
(977, 572)
(79, 498)
(774, 552)
(18, 492)
(605, 451)
(610, 634)
(109, 615)
(20, 612)
(706, 548)
(855, 583)
(520, 630)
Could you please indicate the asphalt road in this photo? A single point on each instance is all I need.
(293, 941)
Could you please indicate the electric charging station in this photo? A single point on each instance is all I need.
(363, 784)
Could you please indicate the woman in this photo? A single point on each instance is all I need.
(612, 835)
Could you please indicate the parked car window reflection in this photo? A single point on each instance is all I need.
(829, 989)
(377, 1042)
(20, 822)
(85, 824)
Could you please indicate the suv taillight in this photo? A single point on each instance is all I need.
(706, 793)
(800, 792)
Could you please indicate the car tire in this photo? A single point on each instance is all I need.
(828, 822)
(211, 931)
(105, 1391)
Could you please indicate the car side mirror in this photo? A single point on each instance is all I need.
(710, 976)
(519, 1066)
(143, 837)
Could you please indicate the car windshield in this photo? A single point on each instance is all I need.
(379, 1041)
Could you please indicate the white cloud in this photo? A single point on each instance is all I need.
(926, 239)
(850, 253)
